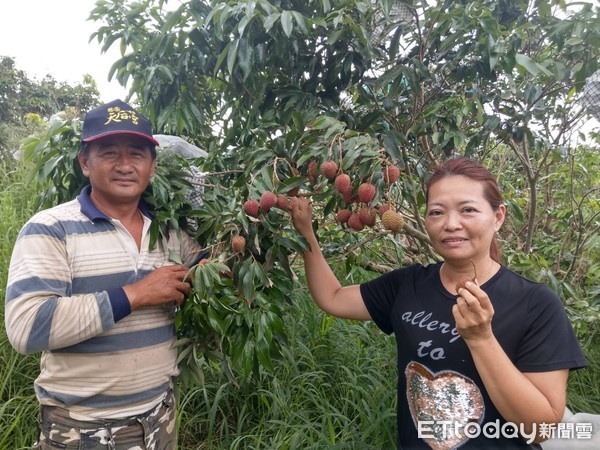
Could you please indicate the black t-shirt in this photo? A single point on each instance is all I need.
(439, 389)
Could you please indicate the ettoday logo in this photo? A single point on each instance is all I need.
(447, 429)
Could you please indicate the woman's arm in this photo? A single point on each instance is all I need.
(521, 398)
(326, 290)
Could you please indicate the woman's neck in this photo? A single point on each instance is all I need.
(480, 271)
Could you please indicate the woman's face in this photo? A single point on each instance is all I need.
(459, 220)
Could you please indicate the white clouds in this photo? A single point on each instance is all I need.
(51, 37)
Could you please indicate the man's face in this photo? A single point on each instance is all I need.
(119, 168)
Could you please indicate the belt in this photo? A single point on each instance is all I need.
(46, 411)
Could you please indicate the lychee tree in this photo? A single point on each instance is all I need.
(350, 102)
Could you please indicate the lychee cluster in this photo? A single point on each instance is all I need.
(365, 196)
(254, 208)
(361, 205)
(267, 201)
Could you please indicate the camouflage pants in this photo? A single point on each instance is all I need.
(154, 430)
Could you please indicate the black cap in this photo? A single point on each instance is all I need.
(116, 117)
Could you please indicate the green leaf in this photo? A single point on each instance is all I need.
(232, 55)
(527, 63)
(270, 20)
(286, 23)
(222, 56)
(216, 322)
(489, 25)
(175, 257)
(299, 18)
(245, 55)
(262, 353)
(530, 65)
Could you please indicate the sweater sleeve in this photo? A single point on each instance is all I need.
(40, 311)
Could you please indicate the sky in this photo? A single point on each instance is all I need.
(51, 37)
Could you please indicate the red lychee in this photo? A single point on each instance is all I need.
(368, 216)
(343, 215)
(251, 208)
(238, 244)
(343, 184)
(349, 198)
(391, 174)
(366, 192)
(355, 223)
(267, 200)
(283, 202)
(383, 208)
(329, 169)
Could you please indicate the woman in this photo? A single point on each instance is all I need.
(480, 366)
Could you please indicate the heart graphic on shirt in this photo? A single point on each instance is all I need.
(443, 403)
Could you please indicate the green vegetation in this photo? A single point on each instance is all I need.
(18, 404)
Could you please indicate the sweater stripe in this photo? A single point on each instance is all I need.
(122, 341)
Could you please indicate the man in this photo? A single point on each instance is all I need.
(85, 289)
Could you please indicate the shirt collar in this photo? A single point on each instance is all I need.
(89, 209)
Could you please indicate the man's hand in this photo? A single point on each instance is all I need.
(164, 285)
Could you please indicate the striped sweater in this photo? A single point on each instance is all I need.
(65, 298)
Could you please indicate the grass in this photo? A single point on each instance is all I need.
(334, 386)
(18, 406)
(584, 384)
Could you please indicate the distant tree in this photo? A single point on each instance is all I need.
(21, 96)
(11, 79)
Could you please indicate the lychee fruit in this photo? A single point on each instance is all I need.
(368, 216)
(462, 283)
(329, 169)
(267, 200)
(392, 221)
(343, 215)
(283, 202)
(251, 208)
(391, 174)
(238, 244)
(343, 184)
(349, 198)
(355, 223)
(366, 192)
(383, 208)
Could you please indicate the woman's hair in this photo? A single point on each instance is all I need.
(474, 171)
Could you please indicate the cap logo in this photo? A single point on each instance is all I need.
(116, 114)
